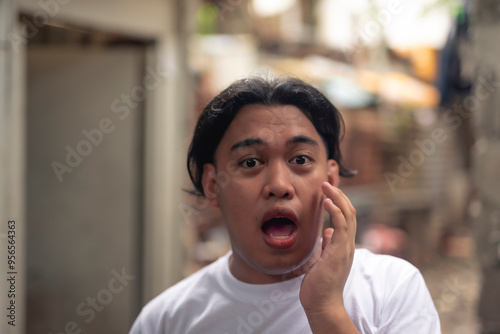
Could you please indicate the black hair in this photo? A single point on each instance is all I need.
(219, 113)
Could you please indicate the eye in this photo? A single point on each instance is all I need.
(301, 160)
(250, 163)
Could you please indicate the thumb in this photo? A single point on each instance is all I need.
(327, 237)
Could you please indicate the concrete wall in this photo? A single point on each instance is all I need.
(166, 23)
(12, 167)
(149, 18)
(84, 182)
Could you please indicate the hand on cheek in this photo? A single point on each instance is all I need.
(323, 286)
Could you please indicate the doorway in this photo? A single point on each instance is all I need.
(85, 148)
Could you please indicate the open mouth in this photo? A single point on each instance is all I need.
(279, 232)
(279, 227)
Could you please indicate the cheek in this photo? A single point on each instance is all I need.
(236, 198)
(239, 188)
(310, 192)
(311, 185)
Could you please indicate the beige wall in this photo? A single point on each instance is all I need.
(83, 218)
(149, 18)
(12, 167)
(167, 24)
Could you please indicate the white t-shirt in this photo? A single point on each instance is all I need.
(383, 294)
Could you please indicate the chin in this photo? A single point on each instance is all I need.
(292, 268)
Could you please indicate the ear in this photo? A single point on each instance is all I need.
(208, 180)
(333, 173)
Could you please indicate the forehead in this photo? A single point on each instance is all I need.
(257, 118)
(271, 126)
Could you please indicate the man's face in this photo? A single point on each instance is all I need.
(269, 167)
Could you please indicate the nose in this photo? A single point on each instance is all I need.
(278, 182)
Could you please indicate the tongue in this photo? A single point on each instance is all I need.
(279, 228)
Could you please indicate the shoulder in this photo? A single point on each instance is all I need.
(156, 315)
(388, 295)
(375, 265)
(383, 276)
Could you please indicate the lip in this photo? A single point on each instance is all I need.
(280, 212)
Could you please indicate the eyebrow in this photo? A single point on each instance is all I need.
(301, 139)
(247, 142)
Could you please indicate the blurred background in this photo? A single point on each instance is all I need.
(98, 100)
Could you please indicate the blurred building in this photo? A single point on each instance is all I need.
(485, 151)
(98, 101)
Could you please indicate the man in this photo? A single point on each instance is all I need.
(266, 152)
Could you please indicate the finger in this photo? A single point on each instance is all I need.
(352, 217)
(338, 198)
(327, 237)
(348, 201)
(343, 202)
(342, 215)
(340, 233)
(353, 224)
